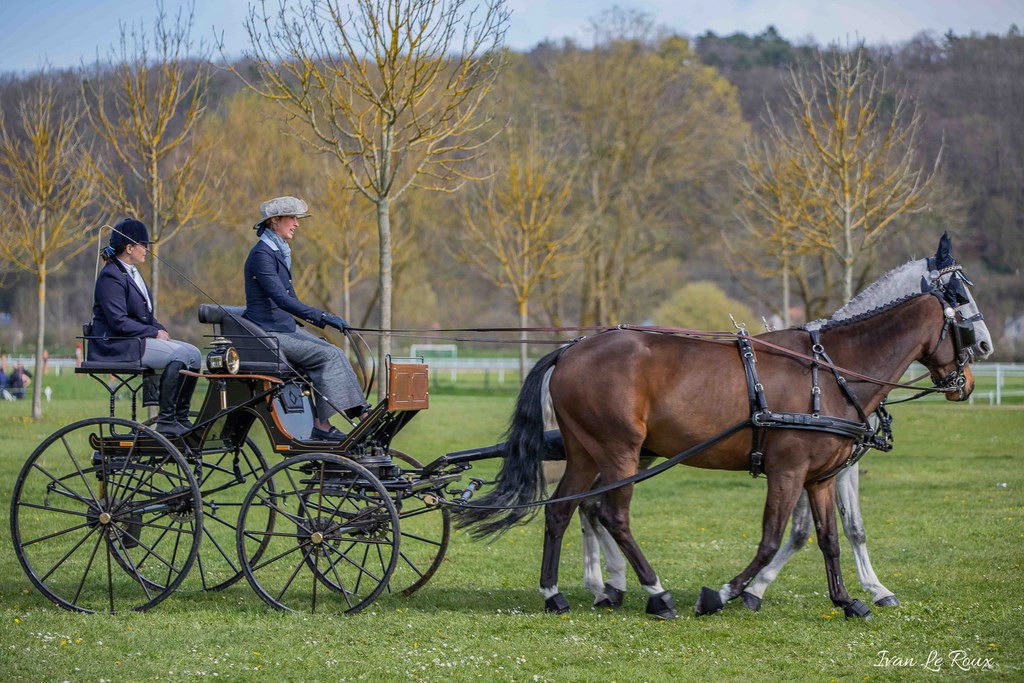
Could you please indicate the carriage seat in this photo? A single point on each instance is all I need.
(108, 367)
(258, 352)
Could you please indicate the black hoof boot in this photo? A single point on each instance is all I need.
(750, 601)
(708, 602)
(556, 604)
(858, 609)
(662, 606)
(888, 601)
(612, 597)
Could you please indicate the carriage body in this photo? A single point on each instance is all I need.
(108, 514)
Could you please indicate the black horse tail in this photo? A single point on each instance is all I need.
(521, 478)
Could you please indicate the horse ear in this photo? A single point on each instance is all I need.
(926, 286)
(944, 254)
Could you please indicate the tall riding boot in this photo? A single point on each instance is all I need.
(188, 385)
(170, 387)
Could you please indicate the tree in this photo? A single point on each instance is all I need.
(146, 109)
(703, 306)
(850, 140)
(45, 192)
(513, 233)
(391, 88)
(657, 130)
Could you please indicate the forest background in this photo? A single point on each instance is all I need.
(637, 138)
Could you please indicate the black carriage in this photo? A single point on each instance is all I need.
(108, 514)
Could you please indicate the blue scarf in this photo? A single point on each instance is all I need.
(275, 239)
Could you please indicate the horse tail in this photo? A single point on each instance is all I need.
(521, 478)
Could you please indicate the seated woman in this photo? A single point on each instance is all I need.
(123, 314)
(270, 302)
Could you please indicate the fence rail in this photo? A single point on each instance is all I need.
(995, 382)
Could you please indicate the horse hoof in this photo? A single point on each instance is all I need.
(612, 597)
(709, 602)
(662, 606)
(856, 608)
(888, 601)
(750, 601)
(557, 604)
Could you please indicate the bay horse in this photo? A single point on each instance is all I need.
(900, 282)
(621, 391)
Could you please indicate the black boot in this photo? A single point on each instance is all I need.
(170, 388)
(188, 385)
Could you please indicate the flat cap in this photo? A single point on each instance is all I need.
(283, 206)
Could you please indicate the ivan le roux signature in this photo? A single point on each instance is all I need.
(957, 659)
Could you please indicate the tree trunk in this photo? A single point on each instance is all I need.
(785, 292)
(37, 384)
(384, 235)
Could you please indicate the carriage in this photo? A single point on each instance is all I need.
(109, 515)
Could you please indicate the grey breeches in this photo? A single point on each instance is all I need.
(334, 381)
(160, 353)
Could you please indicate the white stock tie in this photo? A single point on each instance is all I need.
(137, 276)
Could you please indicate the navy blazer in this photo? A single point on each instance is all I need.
(119, 310)
(270, 299)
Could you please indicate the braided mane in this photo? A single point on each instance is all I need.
(896, 286)
(832, 324)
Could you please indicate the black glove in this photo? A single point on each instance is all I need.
(334, 321)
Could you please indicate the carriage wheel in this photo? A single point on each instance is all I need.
(106, 516)
(226, 476)
(426, 530)
(337, 534)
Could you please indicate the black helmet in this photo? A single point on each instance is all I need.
(129, 231)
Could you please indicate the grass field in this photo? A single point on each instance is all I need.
(945, 520)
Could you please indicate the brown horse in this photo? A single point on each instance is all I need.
(621, 391)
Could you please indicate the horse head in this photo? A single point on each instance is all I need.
(948, 360)
(947, 276)
(937, 273)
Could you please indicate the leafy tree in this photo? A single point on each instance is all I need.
(45, 192)
(703, 306)
(391, 88)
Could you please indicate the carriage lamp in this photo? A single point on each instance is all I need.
(223, 357)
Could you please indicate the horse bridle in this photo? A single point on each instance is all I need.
(953, 296)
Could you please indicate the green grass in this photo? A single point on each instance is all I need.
(942, 533)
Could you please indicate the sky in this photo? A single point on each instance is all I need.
(66, 33)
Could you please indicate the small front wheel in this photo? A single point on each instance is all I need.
(106, 516)
(336, 535)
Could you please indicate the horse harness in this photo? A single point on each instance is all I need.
(762, 419)
(879, 437)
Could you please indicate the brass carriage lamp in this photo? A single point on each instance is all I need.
(223, 357)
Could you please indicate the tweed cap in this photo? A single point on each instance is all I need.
(283, 206)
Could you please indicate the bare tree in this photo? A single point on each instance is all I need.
(514, 232)
(851, 138)
(392, 88)
(44, 193)
(145, 106)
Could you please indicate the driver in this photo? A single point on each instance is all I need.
(270, 302)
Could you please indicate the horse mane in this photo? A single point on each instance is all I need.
(832, 324)
(882, 294)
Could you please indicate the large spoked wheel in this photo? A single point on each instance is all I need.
(106, 516)
(426, 530)
(336, 535)
(226, 475)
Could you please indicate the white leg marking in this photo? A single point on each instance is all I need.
(655, 588)
(548, 592)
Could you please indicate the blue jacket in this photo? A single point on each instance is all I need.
(270, 299)
(119, 310)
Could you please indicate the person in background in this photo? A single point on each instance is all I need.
(19, 380)
(270, 302)
(124, 328)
